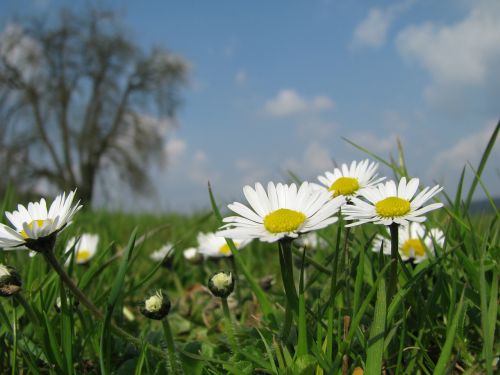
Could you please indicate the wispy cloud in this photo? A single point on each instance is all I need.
(466, 149)
(315, 159)
(379, 144)
(373, 29)
(459, 56)
(289, 102)
(174, 148)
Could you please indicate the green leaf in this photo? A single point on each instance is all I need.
(441, 366)
(377, 332)
(105, 341)
(302, 344)
(482, 164)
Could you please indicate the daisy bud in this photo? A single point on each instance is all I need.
(10, 281)
(221, 284)
(156, 306)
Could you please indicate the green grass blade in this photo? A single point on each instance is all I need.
(141, 360)
(302, 339)
(491, 318)
(268, 351)
(51, 344)
(375, 351)
(482, 164)
(66, 330)
(442, 363)
(105, 340)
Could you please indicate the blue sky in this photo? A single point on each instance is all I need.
(274, 86)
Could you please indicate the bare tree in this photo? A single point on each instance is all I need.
(78, 97)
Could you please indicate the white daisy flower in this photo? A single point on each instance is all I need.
(35, 222)
(211, 245)
(414, 242)
(351, 181)
(162, 252)
(284, 211)
(389, 204)
(85, 247)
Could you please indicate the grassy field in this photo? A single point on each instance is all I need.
(443, 318)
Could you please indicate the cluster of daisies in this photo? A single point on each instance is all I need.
(356, 192)
(280, 211)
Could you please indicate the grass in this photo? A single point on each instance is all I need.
(443, 319)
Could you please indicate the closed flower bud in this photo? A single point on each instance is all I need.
(221, 284)
(10, 281)
(156, 306)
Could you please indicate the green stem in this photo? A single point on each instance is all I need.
(27, 308)
(51, 259)
(229, 325)
(333, 293)
(345, 263)
(167, 331)
(14, 334)
(287, 273)
(287, 323)
(393, 275)
(292, 304)
(236, 277)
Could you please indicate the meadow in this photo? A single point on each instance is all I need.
(349, 314)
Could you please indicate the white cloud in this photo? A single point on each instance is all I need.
(241, 77)
(380, 145)
(372, 31)
(199, 170)
(322, 103)
(467, 149)
(174, 149)
(289, 102)
(464, 52)
(251, 172)
(314, 160)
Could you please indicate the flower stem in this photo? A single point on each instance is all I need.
(285, 252)
(51, 259)
(393, 275)
(14, 333)
(229, 324)
(287, 273)
(27, 308)
(236, 277)
(167, 331)
(344, 263)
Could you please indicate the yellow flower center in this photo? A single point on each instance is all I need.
(344, 186)
(83, 255)
(39, 222)
(224, 249)
(153, 303)
(392, 207)
(413, 247)
(222, 280)
(283, 220)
